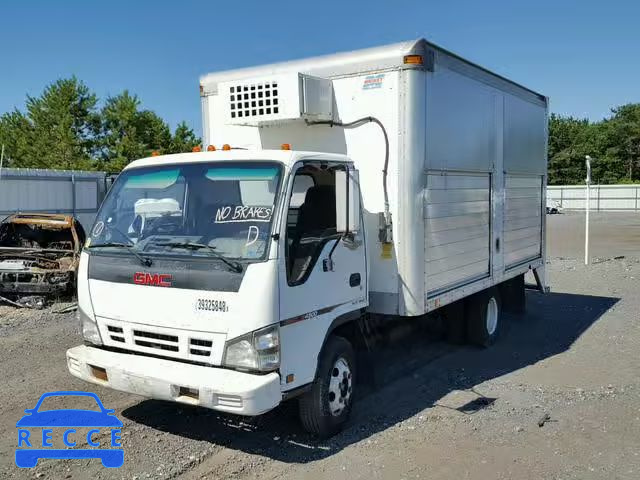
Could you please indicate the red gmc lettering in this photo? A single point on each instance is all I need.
(156, 279)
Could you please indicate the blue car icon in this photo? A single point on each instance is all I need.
(68, 418)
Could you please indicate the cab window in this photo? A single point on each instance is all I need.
(311, 219)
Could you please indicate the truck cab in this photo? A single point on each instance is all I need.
(214, 279)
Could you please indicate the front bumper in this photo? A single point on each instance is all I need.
(216, 388)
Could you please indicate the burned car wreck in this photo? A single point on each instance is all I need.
(39, 256)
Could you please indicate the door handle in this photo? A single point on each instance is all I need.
(354, 280)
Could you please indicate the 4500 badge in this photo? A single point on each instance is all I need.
(210, 305)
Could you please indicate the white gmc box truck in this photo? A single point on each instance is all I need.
(330, 193)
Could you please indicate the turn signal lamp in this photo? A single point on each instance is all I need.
(285, 146)
(226, 147)
(197, 148)
(413, 59)
(211, 148)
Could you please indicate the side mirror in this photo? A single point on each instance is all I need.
(347, 201)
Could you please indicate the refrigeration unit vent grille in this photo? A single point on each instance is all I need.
(253, 100)
(277, 98)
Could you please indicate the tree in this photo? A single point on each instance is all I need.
(566, 135)
(58, 129)
(129, 133)
(64, 129)
(614, 142)
(183, 140)
(15, 135)
(624, 128)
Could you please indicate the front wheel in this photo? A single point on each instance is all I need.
(326, 407)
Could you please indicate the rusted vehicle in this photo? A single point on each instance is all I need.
(39, 254)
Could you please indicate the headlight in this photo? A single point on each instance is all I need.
(89, 328)
(259, 350)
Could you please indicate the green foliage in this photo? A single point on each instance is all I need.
(183, 139)
(65, 129)
(15, 134)
(129, 133)
(614, 143)
(59, 128)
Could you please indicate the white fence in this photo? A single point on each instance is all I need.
(603, 197)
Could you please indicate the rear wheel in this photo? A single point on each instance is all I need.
(483, 317)
(326, 407)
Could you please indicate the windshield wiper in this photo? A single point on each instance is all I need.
(147, 262)
(236, 266)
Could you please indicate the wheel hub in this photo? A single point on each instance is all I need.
(340, 387)
(492, 316)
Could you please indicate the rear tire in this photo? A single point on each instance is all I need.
(326, 407)
(483, 317)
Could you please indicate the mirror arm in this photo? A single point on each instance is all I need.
(327, 263)
(347, 198)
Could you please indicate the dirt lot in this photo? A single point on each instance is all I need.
(436, 411)
(612, 234)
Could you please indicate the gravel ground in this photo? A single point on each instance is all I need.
(612, 234)
(434, 410)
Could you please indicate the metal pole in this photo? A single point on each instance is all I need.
(73, 194)
(1, 160)
(587, 208)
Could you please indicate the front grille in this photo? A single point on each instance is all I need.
(116, 333)
(161, 346)
(163, 342)
(200, 347)
(156, 340)
(20, 277)
(157, 336)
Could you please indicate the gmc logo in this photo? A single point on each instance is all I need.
(156, 279)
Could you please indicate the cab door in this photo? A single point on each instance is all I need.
(323, 267)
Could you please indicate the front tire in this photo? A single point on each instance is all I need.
(326, 407)
(483, 317)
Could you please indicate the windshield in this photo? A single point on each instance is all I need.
(225, 205)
